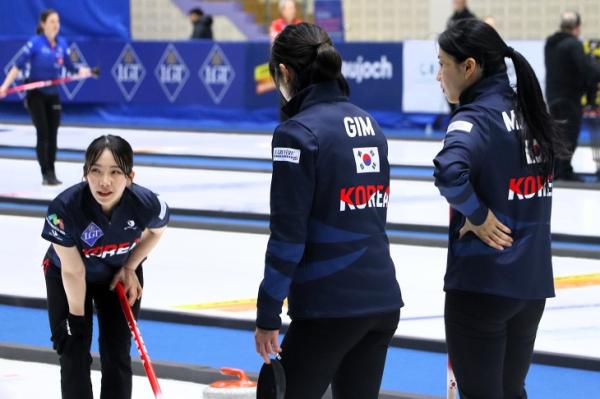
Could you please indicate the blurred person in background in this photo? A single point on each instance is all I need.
(592, 108)
(287, 16)
(201, 24)
(568, 73)
(491, 21)
(461, 11)
(46, 54)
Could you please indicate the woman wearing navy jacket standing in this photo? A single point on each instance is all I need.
(46, 54)
(328, 252)
(101, 230)
(495, 170)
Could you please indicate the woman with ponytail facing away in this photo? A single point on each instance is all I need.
(495, 170)
(328, 252)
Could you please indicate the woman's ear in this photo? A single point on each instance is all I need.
(131, 176)
(285, 73)
(471, 67)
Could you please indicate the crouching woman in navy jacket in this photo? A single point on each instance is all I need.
(101, 231)
(328, 252)
(495, 170)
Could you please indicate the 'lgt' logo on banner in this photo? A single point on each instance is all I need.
(217, 74)
(23, 73)
(71, 89)
(128, 72)
(171, 72)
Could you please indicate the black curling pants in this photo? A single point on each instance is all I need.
(45, 111)
(349, 353)
(490, 343)
(569, 114)
(114, 342)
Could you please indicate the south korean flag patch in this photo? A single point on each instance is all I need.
(367, 159)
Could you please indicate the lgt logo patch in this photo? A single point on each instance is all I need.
(91, 234)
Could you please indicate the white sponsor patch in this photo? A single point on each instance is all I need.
(283, 154)
(367, 159)
(56, 235)
(460, 125)
(163, 208)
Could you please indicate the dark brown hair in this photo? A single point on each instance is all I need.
(474, 38)
(43, 17)
(118, 146)
(308, 51)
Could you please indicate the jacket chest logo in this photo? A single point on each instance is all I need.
(91, 234)
(130, 225)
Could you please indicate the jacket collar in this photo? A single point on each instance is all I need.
(494, 84)
(316, 93)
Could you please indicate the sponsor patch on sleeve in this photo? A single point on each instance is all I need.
(463, 126)
(56, 223)
(282, 154)
(163, 208)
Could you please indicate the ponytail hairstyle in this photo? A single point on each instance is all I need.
(308, 52)
(474, 38)
(43, 17)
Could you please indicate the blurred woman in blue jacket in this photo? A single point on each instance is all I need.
(44, 56)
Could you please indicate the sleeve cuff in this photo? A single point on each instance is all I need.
(57, 240)
(267, 311)
(267, 321)
(479, 216)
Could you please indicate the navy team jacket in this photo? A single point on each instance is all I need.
(484, 166)
(45, 61)
(76, 219)
(328, 251)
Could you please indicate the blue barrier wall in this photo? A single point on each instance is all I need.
(80, 18)
(212, 74)
(200, 77)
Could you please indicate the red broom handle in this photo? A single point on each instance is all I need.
(139, 342)
(50, 82)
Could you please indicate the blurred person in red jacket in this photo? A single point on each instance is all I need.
(287, 12)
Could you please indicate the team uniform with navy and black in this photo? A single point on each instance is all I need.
(39, 60)
(75, 219)
(328, 251)
(494, 299)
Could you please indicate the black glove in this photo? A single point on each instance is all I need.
(72, 328)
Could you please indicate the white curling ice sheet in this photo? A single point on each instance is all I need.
(202, 267)
(22, 380)
(574, 211)
(243, 145)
